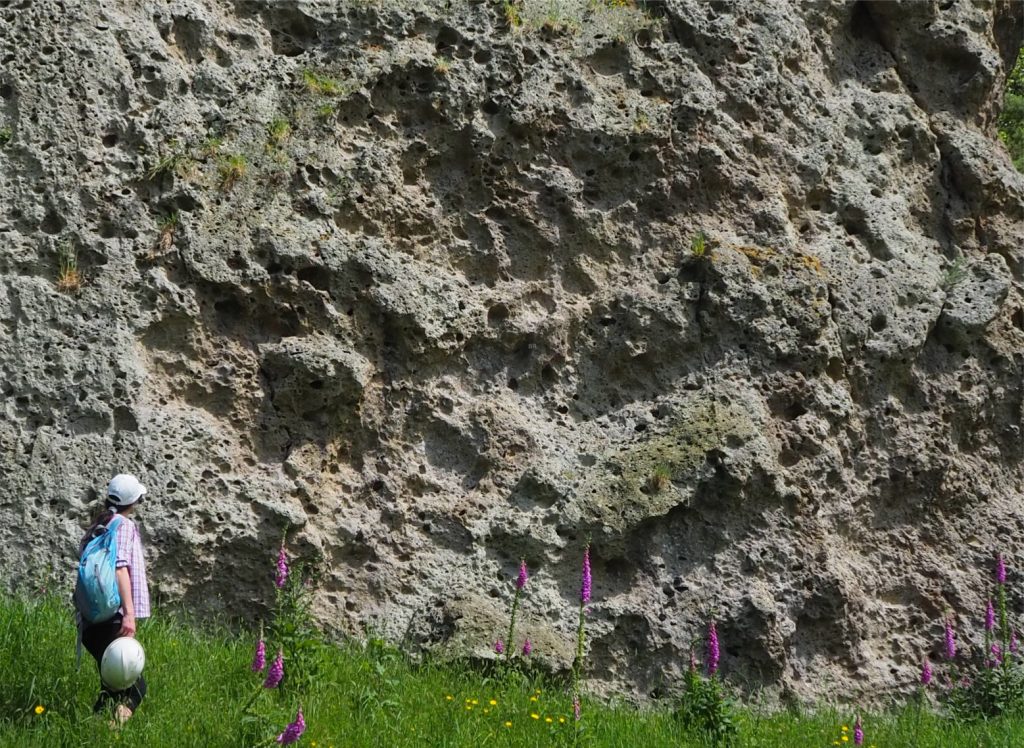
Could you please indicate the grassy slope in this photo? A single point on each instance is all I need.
(363, 697)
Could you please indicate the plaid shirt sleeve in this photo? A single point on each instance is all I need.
(130, 556)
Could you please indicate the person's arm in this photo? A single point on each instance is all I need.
(124, 586)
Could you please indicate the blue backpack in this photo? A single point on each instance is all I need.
(96, 595)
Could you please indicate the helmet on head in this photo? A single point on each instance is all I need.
(124, 490)
(122, 663)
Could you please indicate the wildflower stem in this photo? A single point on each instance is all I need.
(512, 624)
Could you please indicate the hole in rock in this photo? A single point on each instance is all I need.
(497, 314)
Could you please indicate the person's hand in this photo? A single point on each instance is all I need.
(127, 626)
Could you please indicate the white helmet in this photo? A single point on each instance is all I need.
(122, 663)
(125, 490)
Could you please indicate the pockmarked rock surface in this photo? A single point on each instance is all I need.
(415, 281)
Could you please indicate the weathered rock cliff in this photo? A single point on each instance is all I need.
(415, 279)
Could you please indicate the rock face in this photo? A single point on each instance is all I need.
(418, 281)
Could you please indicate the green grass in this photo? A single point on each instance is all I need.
(1011, 119)
(372, 695)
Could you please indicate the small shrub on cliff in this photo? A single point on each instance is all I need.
(6, 134)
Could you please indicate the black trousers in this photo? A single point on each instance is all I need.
(96, 637)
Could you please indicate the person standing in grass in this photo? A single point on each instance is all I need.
(124, 492)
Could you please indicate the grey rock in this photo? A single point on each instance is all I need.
(448, 318)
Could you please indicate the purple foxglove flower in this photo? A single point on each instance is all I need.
(527, 648)
(1000, 569)
(713, 652)
(576, 708)
(858, 733)
(990, 617)
(276, 671)
(950, 640)
(293, 731)
(1013, 642)
(586, 580)
(926, 672)
(997, 655)
(523, 576)
(693, 661)
(282, 568)
(259, 661)
(499, 647)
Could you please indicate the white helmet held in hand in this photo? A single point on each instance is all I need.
(125, 490)
(122, 663)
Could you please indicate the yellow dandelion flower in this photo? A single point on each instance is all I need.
(561, 720)
(533, 698)
(40, 709)
(534, 715)
(508, 724)
(845, 738)
(449, 697)
(537, 691)
(469, 707)
(548, 720)
(474, 702)
(468, 699)
(493, 702)
(844, 728)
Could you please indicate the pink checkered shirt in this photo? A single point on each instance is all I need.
(129, 554)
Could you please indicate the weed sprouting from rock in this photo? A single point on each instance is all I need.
(69, 279)
(175, 161)
(442, 65)
(659, 480)
(699, 247)
(231, 169)
(955, 275)
(168, 226)
(278, 131)
(324, 85)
